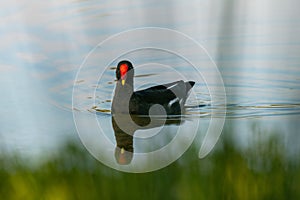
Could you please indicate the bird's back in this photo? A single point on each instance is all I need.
(171, 97)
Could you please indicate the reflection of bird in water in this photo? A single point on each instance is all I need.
(127, 105)
(124, 149)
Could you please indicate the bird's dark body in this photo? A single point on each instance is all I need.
(160, 95)
(171, 96)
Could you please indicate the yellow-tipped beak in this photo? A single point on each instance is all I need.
(123, 82)
(122, 150)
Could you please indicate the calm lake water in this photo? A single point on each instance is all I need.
(256, 49)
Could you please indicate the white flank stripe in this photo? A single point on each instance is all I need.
(172, 102)
(172, 86)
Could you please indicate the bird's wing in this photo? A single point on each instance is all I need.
(162, 94)
(164, 86)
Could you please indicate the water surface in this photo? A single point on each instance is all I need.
(43, 44)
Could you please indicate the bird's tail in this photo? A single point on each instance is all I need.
(189, 85)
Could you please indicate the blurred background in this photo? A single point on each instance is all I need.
(256, 46)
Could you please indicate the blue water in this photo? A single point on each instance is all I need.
(256, 47)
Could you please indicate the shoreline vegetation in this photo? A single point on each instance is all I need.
(260, 172)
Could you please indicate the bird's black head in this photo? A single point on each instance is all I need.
(124, 72)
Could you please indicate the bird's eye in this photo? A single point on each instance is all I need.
(123, 69)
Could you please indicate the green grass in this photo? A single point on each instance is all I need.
(261, 172)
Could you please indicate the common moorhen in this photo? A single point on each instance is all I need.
(170, 96)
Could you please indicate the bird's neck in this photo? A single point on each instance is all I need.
(122, 96)
(126, 89)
